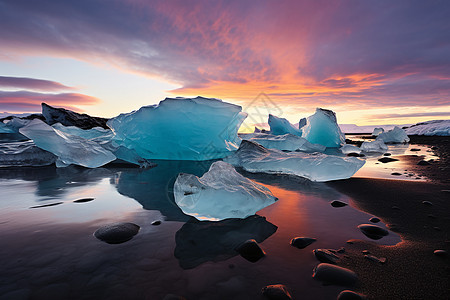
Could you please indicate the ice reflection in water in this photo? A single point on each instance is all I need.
(51, 250)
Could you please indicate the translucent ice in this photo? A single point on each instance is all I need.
(180, 129)
(377, 131)
(280, 126)
(221, 193)
(322, 128)
(377, 146)
(287, 142)
(347, 149)
(396, 135)
(69, 149)
(316, 167)
(24, 154)
(97, 133)
(437, 127)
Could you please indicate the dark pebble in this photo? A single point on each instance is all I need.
(353, 154)
(414, 149)
(373, 231)
(437, 228)
(332, 274)
(117, 233)
(337, 203)
(47, 205)
(157, 222)
(374, 220)
(395, 207)
(302, 242)
(396, 174)
(365, 252)
(350, 295)
(325, 256)
(387, 154)
(440, 252)
(373, 258)
(341, 250)
(84, 200)
(251, 251)
(387, 159)
(276, 292)
(423, 163)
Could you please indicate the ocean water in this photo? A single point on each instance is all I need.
(49, 252)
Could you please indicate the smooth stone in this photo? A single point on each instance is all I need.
(423, 163)
(325, 256)
(341, 250)
(276, 292)
(302, 242)
(83, 200)
(387, 154)
(337, 203)
(117, 233)
(350, 295)
(440, 252)
(428, 203)
(380, 260)
(387, 159)
(396, 174)
(250, 250)
(332, 274)
(47, 205)
(374, 220)
(155, 223)
(414, 149)
(373, 231)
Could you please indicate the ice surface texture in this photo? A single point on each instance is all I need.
(437, 127)
(181, 129)
(396, 135)
(280, 126)
(322, 128)
(24, 154)
(377, 131)
(377, 146)
(346, 149)
(221, 193)
(288, 142)
(70, 149)
(320, 167)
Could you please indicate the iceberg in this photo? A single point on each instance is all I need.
(396, 135)
(280, 126)
(377, 131)
(322, 128)
(377, 146)
(436, 127)
(24, 154)
(285, 142)
(70, 149)
(180, 129)
(221, 193)
(347, 149)
(315, 167)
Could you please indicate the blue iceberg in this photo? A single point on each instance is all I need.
(280, 126)
(322, 128)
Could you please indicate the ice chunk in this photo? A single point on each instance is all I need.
(181, 129)
(322, 128)
(98, 134)
(286, 142)
(221, 193)
(436, 127)
(24, 154)
(67, 117)
(377, 146)
(396, 135)
(316, 167)
(69, 149)
(280, 126)
(347, 149)
(377, 131)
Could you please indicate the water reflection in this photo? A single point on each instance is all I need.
(201, 241)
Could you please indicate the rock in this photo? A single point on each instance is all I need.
(350, 295)
(337, 203)
(325, 256)
(396, 174)
(372, 231)
(276, 292)
(332, 274)
(387, 159)
(380, 260)
(423, 163)
(427, 203)
(156, 223)
(251, 251)
(440, 253)
(374, 220)
(341, 250)
(47, 205)
(302, 242)
(387, 154)
(365, 252)
(414, 149)
(66, 117)
(117, 233)
(395, 207)
(83, 200)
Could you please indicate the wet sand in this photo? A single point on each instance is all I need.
(412, 270)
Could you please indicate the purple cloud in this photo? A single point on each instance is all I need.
(31, 84)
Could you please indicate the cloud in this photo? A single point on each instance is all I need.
(31, 84)
(25, 101)
(409, 115)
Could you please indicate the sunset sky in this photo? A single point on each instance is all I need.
(373, 62)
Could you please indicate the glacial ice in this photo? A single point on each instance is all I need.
(396, 135)
(221, 193)
(377, 146)
(286, 142)
(347, 149)
(180, 129)
(24, 154)
(70, 149)
(377, 131)
(436, 127)
(315, 167)
(322, 128)
(97, 134)
(281, 126)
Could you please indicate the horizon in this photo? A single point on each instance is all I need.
(371, 63)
